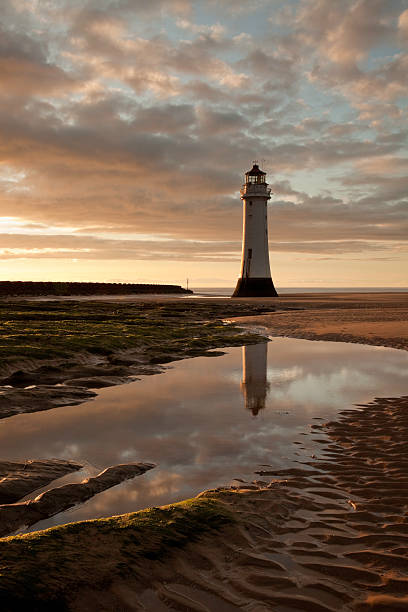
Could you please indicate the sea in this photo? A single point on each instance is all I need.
(228, 291)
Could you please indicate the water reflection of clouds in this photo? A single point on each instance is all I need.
(396, 369)
(335, 389)
(284, 375)
(191, 420)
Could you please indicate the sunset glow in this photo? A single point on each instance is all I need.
(126, 128)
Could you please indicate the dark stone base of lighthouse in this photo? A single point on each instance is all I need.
(255, 287)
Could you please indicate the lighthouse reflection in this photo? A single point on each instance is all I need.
(254, 383)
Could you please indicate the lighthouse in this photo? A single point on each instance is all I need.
(255, 280)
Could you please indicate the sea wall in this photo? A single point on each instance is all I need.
(32, 288)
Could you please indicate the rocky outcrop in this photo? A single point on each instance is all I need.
(53, 501)
(33, 399)
(19, 478)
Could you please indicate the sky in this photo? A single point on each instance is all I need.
(126, 127)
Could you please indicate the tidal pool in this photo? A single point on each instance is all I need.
(205, 421)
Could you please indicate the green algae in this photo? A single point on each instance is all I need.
(41, 570)
(61, 330)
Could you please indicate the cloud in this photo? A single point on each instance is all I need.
(341, 39)
(24, 68)
(403, 26)
(15, 246)
(215, 30)
(217, 122)
(346, 32)
(279, 70)
(126, 118)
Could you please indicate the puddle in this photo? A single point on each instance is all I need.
(207, 421)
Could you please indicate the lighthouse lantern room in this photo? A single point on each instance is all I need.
(255, 280)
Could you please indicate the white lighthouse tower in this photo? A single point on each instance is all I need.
(256, 280)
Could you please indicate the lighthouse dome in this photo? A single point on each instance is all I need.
(255, 175)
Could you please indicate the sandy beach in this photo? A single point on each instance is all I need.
(329, 535)
(203, 306)
(380, 319)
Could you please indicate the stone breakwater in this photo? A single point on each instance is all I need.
(37, 289)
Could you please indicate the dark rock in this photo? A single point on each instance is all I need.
(53, 501)
(19, 478)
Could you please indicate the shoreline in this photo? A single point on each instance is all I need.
(56, 355)
(374, 319)
(136, 338)
(292, 315)
(326, 488)
(329, 535)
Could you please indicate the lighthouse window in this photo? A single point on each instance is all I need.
(249, 253)
(250, 203)
(255, 179)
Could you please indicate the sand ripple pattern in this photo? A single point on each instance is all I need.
(330, 535)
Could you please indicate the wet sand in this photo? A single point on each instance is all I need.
(55, 352)
(331, 535)
(380, 319)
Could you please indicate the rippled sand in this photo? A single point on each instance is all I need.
(328, 535)
(331, 535)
